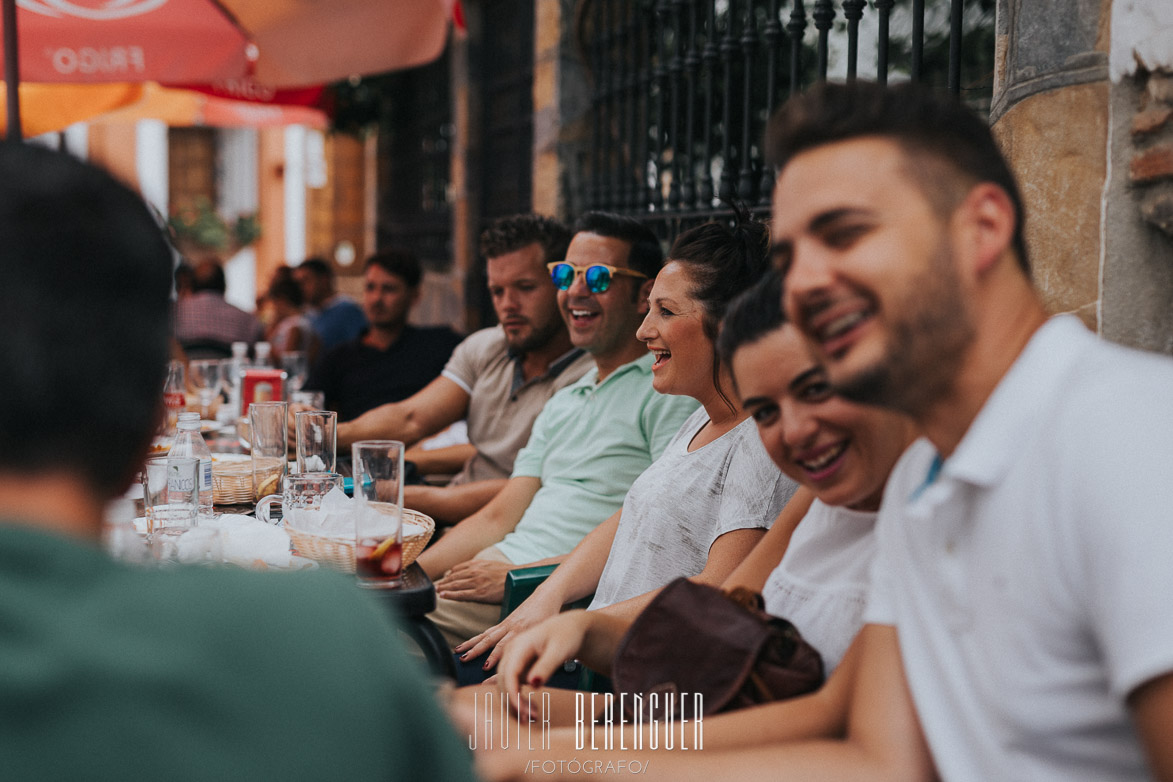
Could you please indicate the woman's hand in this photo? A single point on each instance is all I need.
(537, 608)
(536, 654)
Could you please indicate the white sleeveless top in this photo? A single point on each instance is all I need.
(821, 584)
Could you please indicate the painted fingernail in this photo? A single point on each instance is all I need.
(536, 681)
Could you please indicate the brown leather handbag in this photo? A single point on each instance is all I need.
(693, 638)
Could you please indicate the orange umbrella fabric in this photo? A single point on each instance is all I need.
(279, 43)
(47, 108)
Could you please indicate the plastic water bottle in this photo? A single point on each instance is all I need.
(189, 442)
(263, 355)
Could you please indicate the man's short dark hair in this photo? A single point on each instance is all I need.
(947, 146)
(400, 262)
(509, 234)
(184, 278)
(646, 256)
(318, 267)
(86, 284)
(208, 276)
(751, 316)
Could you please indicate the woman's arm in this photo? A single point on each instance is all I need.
(759, 563)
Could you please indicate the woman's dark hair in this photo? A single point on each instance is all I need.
(722, 260)
(751, 316)
(285, 288)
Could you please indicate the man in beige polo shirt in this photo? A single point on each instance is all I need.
(499, 378)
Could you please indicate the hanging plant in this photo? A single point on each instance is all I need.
(199, 230)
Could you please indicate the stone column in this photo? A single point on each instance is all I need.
(561, 102)
(1093, 150)
(1049, 113)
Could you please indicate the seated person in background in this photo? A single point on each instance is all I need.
(205, 324)
(698, 509)
(391, 360)
(591, 440)
(118, 672)
(498, 378)
(288, 327)
(335, 317)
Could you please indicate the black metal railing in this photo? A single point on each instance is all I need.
(683, 88)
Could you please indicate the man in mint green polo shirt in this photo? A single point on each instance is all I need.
(589, 443)
(110, 671)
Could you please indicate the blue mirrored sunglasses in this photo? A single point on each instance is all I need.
(597, 275)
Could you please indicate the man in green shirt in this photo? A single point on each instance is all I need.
(589, 443)
(113, 672)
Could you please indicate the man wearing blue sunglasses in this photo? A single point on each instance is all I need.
(590, 442)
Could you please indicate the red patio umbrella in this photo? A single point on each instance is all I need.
(279, 43)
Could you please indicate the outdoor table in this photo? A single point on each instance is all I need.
(412, 601)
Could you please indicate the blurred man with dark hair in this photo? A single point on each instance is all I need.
(335, 317)
(207, 325)
(111, 671)
(391, 360)
(498, 378)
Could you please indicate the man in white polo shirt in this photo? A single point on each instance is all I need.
(1024, 573)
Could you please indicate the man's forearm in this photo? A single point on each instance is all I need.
(444, 461)
(449, 504)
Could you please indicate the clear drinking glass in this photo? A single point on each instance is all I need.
(378, 517)
(171, 494)
(303, 492)
(268, 445)
(314, 399)
(296, 365)
(317, 432)
(204, 377)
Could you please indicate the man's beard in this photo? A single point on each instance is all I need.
(927, 345)
(536, 338)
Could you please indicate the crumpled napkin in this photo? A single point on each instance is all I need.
(334, 517)
(245, 540)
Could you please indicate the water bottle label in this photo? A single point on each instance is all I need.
(206, 475)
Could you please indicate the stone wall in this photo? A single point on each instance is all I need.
(1137, 294)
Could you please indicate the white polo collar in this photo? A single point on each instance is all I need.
(1018, 407)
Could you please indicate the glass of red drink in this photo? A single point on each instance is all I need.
(378, 494)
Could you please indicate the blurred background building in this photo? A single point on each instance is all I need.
(656, 108)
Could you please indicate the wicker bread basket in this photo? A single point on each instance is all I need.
(232, 479)
(338, 552)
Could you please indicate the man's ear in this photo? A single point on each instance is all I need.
(642, 294)
(990, 222)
